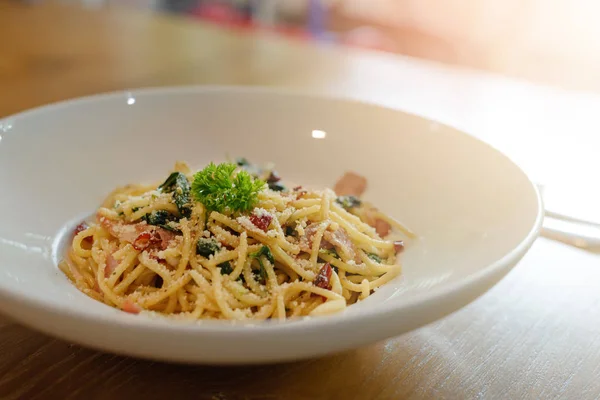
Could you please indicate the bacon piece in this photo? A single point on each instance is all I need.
(306, 241)
(262, 221)
(97, 287)
(323, 278)
(326, 245)
(382, 227)
(140, 233)
(145, 240)
(80, 228)
(399, 246)
(120, 230)
(111, 265)
(341, 241)
(338, 239)
(130, 307)
(350, 184)
(165, 237)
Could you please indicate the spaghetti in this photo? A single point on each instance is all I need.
(232, 242)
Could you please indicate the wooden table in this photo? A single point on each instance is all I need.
(535, 335)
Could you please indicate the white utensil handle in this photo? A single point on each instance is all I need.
(582, 235)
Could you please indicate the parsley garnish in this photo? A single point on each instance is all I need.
(220, 188)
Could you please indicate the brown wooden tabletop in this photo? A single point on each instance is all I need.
(535, 335)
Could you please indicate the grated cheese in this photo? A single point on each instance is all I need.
(261, 212)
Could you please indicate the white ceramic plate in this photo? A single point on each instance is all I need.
(475, 212)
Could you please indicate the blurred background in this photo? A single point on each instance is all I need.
(552, 41)
(539, 105)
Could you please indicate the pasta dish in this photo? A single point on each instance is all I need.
(233, 242)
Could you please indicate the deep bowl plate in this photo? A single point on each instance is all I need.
(475, 212)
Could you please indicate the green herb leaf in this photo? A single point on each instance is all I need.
(160, 218)
(254, 170)
(226, 268)
(178, 184)
(276, 186)
(242, 162)
(220, 188)
(263, 252)
(348, 202)
(263, 272)
(290, 231)
(207, 247)
(374, 257)
(332, 252)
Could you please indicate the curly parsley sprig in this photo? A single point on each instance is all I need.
(222, 188)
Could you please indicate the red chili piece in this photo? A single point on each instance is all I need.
(145, 240)
(399, 246)
(261, 222)
(80, 228)
(299, 192)
(323, 278)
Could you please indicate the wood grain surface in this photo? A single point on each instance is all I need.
(536, 335)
